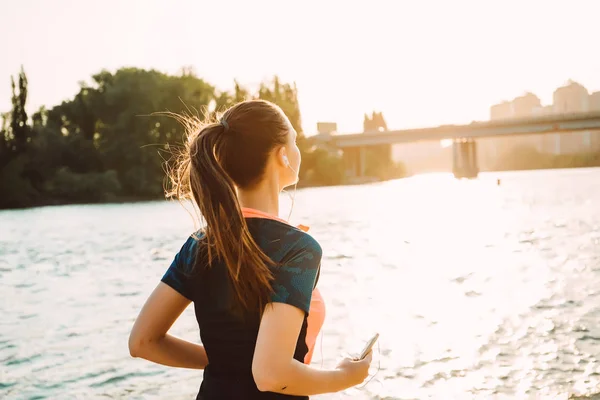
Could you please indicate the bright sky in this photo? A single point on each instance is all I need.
(421, 62)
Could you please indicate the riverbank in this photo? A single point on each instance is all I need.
(355, 182)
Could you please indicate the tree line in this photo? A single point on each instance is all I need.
(106, 143)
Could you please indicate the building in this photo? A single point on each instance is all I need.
(326, 128)
(595, 101)
(571, 98)
(520, 107)
(501, 111)
(543, 111)
(525, 106)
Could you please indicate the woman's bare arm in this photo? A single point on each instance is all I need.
(275, 369)
(149, 338)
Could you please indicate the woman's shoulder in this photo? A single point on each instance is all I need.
(279, 239)
(307, 242)
(302, 249)
(187, 258)
(193, 241)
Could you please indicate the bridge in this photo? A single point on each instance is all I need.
(463, 136)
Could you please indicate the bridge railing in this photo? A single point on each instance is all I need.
(521, 126)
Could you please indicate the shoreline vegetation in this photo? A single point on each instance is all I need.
(364, 181)
(108, 145)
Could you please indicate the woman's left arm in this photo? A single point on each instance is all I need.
(149, 338)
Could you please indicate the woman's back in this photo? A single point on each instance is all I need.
(251, 276)
(230, 340)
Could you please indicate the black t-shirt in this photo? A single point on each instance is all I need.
(230, 341)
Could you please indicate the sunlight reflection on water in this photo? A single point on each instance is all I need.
(477, 290)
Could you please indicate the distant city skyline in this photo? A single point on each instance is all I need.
(572, 97)
(422, 64)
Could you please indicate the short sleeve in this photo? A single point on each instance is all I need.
(179, 275)
(296, 277)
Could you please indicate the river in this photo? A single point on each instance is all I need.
(478, 290)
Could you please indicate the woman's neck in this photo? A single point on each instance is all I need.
(264, 198)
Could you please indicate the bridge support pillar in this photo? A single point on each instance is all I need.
(464, 158)
(355, 160)
(362, 161)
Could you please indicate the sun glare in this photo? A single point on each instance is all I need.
(446, 143)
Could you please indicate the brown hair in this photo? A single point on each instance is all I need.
(220, 157)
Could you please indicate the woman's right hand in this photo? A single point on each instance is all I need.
(356, 371)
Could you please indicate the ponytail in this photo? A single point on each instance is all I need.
(218, 159)
(226, 234)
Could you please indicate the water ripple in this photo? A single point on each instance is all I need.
(478, 291)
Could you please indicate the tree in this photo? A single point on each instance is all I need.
(285, 96)
(318, 167)
(15, 173)
(103, 143)
(107, 142)
(128, 136)
(225, 100)
(4, 140)
(19, 128)
(15, 133)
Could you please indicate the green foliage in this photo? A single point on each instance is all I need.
(16, 189)
(286, 97)
(107, 142)
(19, 129)
(5, 139)
(68, 186)
(107, 127)
(379, 163)
(321, 168)
(224, 100)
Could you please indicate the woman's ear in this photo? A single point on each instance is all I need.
(282, 156)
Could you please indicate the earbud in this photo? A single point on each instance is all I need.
(286, 161)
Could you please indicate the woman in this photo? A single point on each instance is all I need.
(250, 275)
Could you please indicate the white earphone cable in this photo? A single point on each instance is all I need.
(293, 196)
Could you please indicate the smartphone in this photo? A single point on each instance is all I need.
(368, 346)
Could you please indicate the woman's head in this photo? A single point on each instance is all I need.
(252, 144)
(257, 139)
